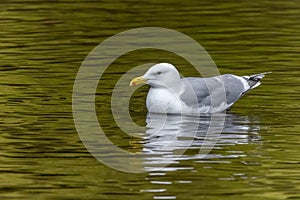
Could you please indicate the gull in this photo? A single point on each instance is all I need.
(169, 93)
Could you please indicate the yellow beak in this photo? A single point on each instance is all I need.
(137, 81)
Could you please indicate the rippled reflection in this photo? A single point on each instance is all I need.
(171, 138)
(43, 43)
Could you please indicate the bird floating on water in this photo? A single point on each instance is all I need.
(169, 93)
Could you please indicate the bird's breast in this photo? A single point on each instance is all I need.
(161, 100)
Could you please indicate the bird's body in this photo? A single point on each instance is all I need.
(170, 103)
(169, 93)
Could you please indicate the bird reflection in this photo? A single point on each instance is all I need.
(169, 137)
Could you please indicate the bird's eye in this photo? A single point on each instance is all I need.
(158, 73)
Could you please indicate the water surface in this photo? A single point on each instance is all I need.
(42, 47)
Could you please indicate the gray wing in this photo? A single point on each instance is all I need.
(210, 91)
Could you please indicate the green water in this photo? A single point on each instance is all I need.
(42, 45)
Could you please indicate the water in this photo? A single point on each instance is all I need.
(42, 47)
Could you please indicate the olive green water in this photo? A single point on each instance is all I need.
(42, 45)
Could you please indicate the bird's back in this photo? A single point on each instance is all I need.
(219, 92)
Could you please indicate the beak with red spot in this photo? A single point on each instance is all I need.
(137, 81)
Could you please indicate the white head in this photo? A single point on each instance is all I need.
(159, 75)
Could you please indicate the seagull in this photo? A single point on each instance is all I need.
(169, 93)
